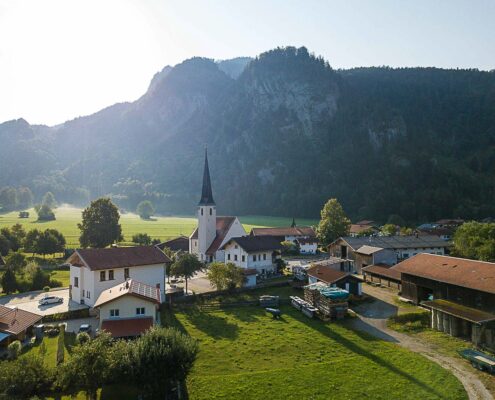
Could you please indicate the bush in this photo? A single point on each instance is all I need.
(82, 338)
(14, 349)
(46, 289)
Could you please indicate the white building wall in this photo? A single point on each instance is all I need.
(127, 308)
(385, 256)
(233, 250)
(236, 230)
(408, 253)
(308, 248)
(207, 229)
(75, 292)
(260, 264)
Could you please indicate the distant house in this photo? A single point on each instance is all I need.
(253, 252)
(333, 277)
(444, 233)
(449, 222)
(93, 271)
(180, 243)
(307, 246)
(24, 214)
(362, 227)
(16, 324)
(305, 236)
(403, 246)
(460, 293)
(336, 263)
(128, 309)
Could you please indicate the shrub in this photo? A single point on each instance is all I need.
(14, 349)
(46, 289)
(82, 338)
(61, 345)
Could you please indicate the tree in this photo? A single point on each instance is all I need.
(44, 212)
(8, 281)
(18, 231)
(389, 229)
(289, 248)
(100, 224)
(475, 240)
(163, 357)
(145, 209)
(142, 239)
(4, 245)
(186, 265)
(25, 198)
(15, 261)
(15, 242)
(8, 198)
(225, 276)
(14, 349)
(395, 219)
(39, 278)
(88, 368)
(49, 200)
(31, 241)
(334, 223)
(50, 241)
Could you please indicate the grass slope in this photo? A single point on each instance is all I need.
(246, 354)
(159, 227)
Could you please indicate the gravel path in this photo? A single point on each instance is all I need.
(372, 318)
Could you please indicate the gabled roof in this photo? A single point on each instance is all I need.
(284, 231)
(368, 250)
(368, 222)
(206, 191)
(395, 242)
(130, 287)
(472, 274)
(359, 228)
(131, 327)
(252, 244)
(15, 320)
(180, 243)
(383, 270)
(118, 257)
(327, 274)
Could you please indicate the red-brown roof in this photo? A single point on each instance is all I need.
(15, 320)
(383, 270)
(359, 228)
(284, 231)
(130, 287)
(249, 271)
(326, 274)
(118, 257)
(127, 327)
(180, 243)
(256, 243)
(477, 275)
(223, 226)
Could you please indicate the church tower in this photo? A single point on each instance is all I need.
(207, 214)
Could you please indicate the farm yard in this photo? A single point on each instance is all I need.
(162, 228)
(244, 353)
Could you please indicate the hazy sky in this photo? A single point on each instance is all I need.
(60, 59)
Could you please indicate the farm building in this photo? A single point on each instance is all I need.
(383, 274)
(363, 227)
(305, 236)
(459, 292)
(16, 324)
(333, 277)
(180, 243)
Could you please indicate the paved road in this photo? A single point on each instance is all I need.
(198, 284)
(29, 302)
(372, 318)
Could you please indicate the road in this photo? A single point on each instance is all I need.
(372, 318)
(29, 302)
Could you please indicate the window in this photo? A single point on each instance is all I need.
(115, 312)
(76, 281)
(264, 256)
(405, 255)
(102, 276)
(211, 211)
(110, 275)
(88, 294)
(140, 311)
(236, 246)
(228, 257)
(201, 211)
(254, 258)
(243, 258)
(126, 273)
(235, 257)
(83, 293)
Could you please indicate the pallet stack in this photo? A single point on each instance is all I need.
(331, 302)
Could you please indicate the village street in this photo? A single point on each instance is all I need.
(372, 318)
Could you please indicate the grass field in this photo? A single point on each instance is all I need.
(245, 354)
(159, 227)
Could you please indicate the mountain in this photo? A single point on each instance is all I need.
(285, 132)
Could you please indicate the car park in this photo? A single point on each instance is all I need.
(50, 300)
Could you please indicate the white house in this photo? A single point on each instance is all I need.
(304, 236)
(212, 232)
(307, 246)
(128, 309)
(251, 252)
(94, 270)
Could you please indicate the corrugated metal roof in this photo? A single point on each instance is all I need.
(395, 242)
(460, 311)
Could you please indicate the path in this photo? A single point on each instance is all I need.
(372, 318)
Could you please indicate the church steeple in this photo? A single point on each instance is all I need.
(206, 192)
(293, 225)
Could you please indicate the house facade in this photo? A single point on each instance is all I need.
(128, 309)
(304, 236)
(16, 324)
(93, 271)
(334, 277)
(212, 232)
(254, 253)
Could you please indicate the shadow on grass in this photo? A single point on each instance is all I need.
(212, 325)
(245, 314)
(326, 330)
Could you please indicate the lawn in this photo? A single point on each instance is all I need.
(246, 354)
(62, 276)
(158, 227)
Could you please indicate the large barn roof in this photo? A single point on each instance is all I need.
(284, 231)
(395, 242)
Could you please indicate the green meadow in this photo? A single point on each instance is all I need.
(162, 228)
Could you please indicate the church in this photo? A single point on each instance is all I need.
(213, 232)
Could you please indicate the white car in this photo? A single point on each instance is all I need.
(50, 300)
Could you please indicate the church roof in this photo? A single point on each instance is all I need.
(206, 192)
(222, 228)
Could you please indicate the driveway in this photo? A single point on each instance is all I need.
(198, 284)
(29, 302)
(372, 318)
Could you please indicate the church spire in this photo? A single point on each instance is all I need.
(293, 225)
(206, 193)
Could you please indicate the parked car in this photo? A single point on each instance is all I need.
(50, 300)
(85, 328)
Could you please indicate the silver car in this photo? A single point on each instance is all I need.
(50, 300)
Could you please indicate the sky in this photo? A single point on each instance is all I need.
(60, 59)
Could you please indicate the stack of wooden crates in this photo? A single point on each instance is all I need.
(331, 302)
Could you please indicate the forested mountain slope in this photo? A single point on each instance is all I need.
(283, 135)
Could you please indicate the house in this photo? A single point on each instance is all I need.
(444, 233)
(370, 255)
(460, 293)
(16, 324)
(403, 247)
(180, 243)
(382, 273)
(128, 309)
(307, 245)
(94, 270)
(333, 277)
(449, 222)
(212, 232)
(250, 276)
(339, 264)
(253, 252)
(363, 228)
